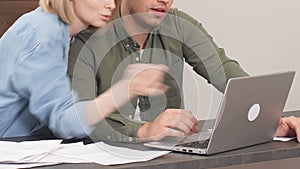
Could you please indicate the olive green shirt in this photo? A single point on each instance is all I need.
(98, 58)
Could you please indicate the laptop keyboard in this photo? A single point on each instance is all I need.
(196, 144)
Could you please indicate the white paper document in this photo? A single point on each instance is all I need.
(283, 138)
(24, 165)
(49, 152)
(24, 151)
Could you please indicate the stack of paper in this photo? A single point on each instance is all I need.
(49, 152)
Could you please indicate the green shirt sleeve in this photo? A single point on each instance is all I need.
(202, 53)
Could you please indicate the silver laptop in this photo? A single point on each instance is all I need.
(249, 114)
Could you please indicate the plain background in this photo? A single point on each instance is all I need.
(263, 35)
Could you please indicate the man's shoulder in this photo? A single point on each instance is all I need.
(94, 39)
(179, 17)
(177, 20)
(85, 35)
(95, 34)
(97, 41)
(178, 13)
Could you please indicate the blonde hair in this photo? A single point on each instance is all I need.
(61, 8)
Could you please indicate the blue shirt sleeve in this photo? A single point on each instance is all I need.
(41, 77)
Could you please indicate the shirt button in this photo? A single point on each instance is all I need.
(130, 139)
(130, 116)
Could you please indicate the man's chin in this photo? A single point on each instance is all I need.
(154, 23)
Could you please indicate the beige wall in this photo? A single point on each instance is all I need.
(263, 35)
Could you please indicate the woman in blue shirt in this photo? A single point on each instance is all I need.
(34, 88)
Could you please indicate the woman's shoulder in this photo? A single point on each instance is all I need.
(46, 25)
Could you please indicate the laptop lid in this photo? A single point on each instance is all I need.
(250, 111)
(249, 114)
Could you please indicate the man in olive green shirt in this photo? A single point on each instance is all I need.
(172, 37)
(147, 31)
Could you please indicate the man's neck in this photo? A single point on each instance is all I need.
(136, 31)
(141, 39)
